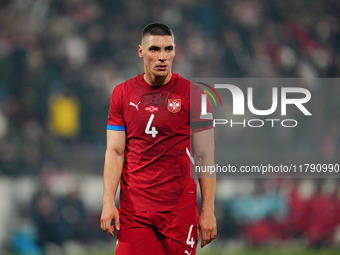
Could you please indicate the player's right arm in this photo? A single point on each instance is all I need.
(114, 158)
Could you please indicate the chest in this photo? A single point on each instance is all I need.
(156, 113)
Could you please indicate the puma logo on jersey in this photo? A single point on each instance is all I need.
(186, 252)
(135, 105)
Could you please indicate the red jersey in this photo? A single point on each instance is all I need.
(156, 171)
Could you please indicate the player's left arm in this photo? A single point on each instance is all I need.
(203, 143)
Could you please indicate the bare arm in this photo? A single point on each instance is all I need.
(114, 158)
(204, 152)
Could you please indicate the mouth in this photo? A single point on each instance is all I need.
(161, 67)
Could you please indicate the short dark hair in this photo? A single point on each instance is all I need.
(157, 29)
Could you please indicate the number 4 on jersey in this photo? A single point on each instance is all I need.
(153, 130)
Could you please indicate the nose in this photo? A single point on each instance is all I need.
(162, 56)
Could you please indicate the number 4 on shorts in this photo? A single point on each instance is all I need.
(190, 241)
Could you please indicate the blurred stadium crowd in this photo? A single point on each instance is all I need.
(59, 61)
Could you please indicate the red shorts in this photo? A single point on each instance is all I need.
(158, 233)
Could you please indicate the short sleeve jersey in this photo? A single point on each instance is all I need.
(156, 173)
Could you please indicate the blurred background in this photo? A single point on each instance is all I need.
(59, 61)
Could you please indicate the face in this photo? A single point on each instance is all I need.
(158, 53)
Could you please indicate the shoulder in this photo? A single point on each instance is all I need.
(186, 81)
(182, 84)
(187, 84)
(181, 79)
(124, 85)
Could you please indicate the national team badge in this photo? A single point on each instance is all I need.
(174, 105)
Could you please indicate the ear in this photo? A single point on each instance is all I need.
(140, 51)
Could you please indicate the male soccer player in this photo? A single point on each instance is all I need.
(149, 153)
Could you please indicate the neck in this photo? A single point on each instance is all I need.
(153, 80)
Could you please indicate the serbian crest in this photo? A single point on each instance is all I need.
(174, 105)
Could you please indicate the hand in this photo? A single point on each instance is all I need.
(109, 213)
(207, 226)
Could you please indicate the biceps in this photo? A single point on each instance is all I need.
(116, 141)
(203, 143)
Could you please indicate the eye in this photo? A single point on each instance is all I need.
(153, 49)
(169, 48)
